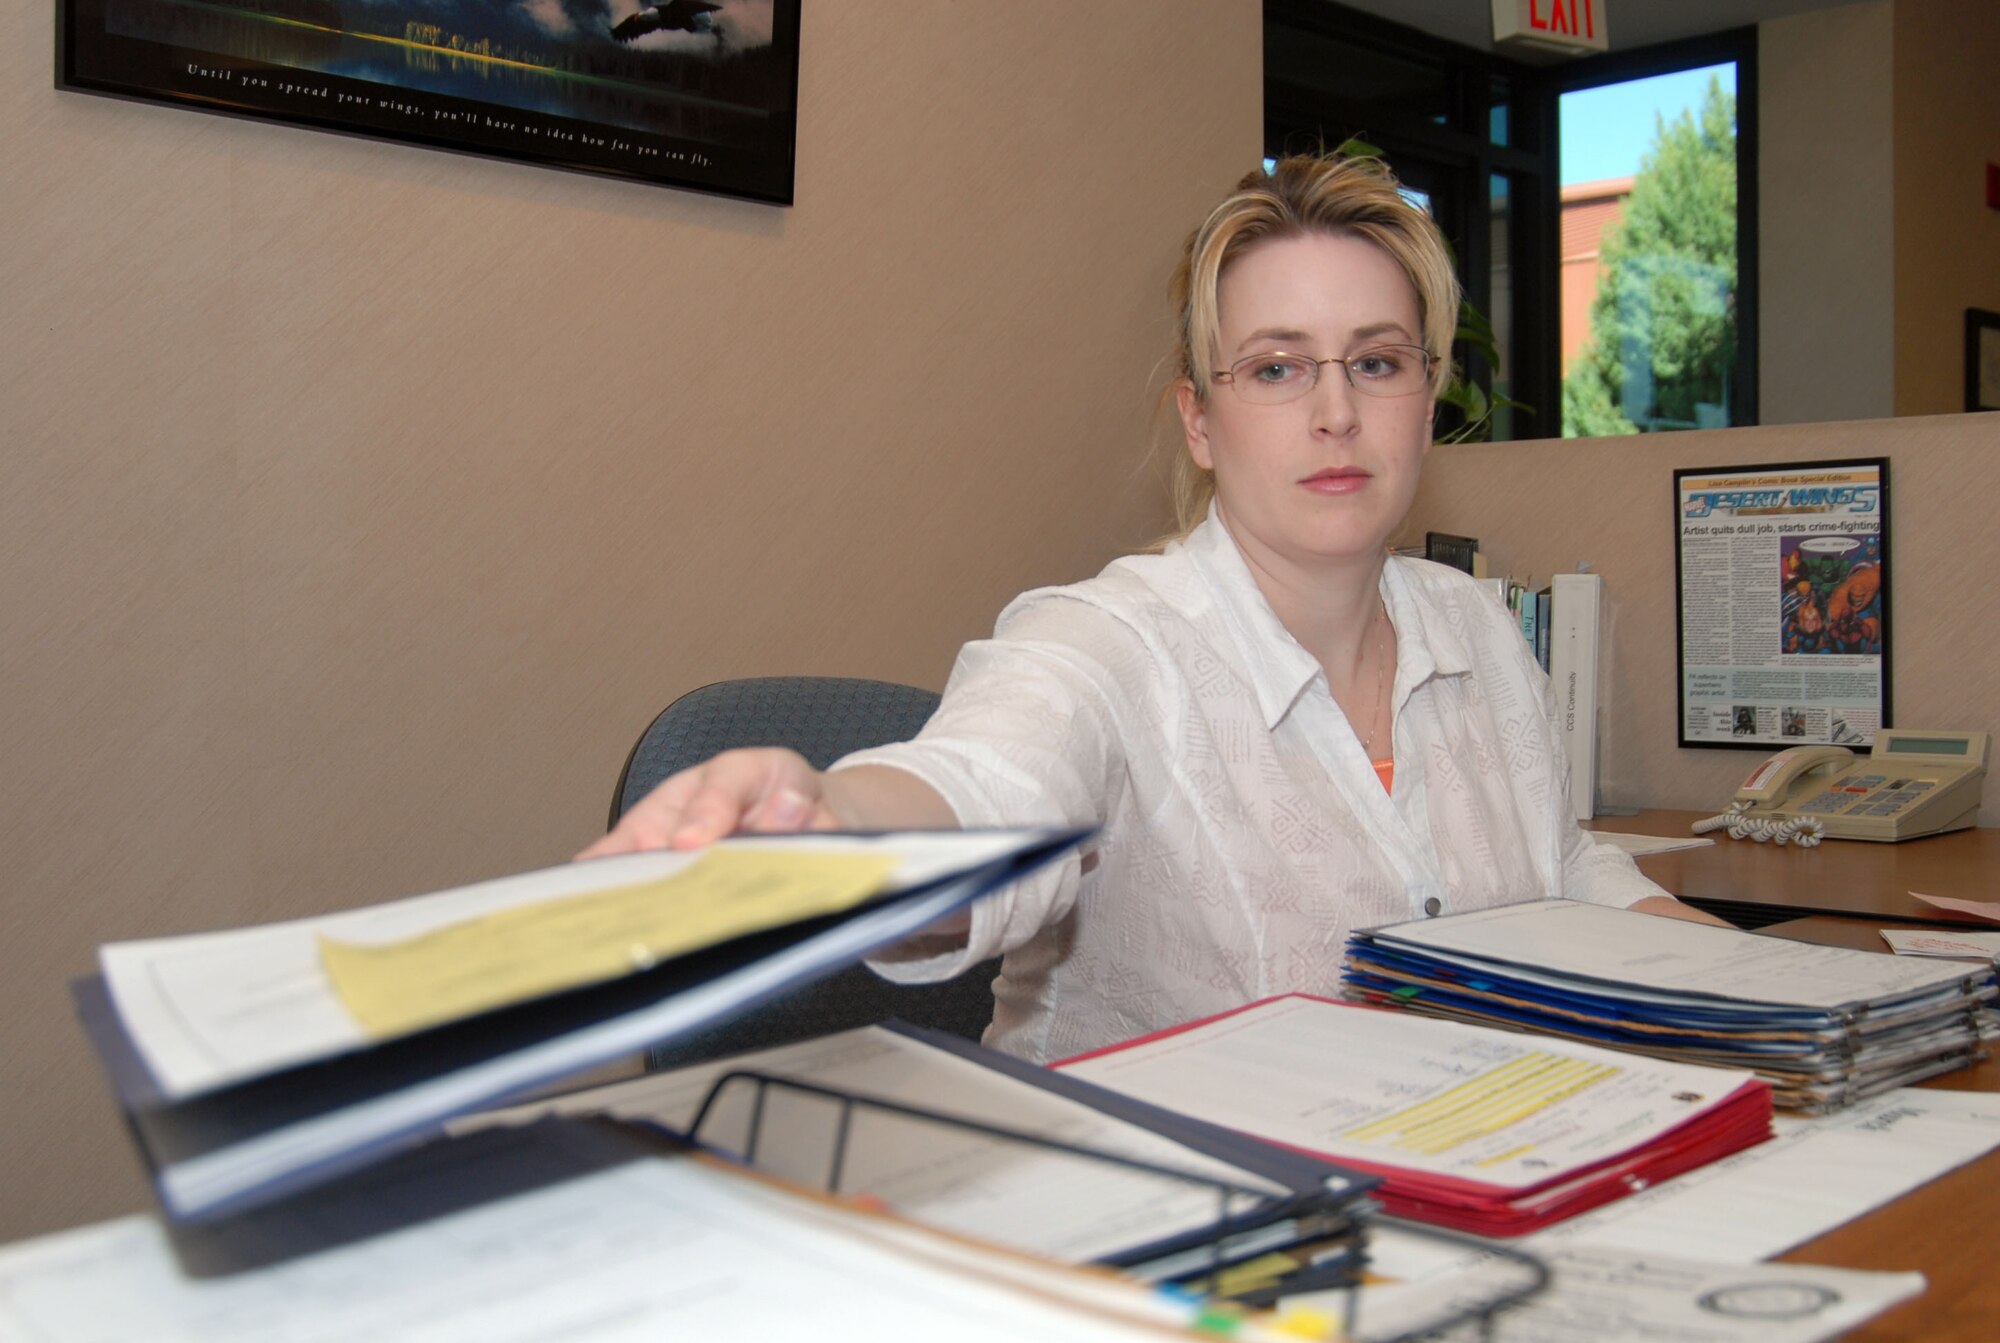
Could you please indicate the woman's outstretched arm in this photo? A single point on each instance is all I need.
(769, 790)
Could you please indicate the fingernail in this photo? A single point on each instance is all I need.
(787, 807)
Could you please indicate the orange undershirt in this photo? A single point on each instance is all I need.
(1385, 770)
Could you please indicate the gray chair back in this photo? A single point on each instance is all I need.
(822, 718)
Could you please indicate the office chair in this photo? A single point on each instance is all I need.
(822, 718)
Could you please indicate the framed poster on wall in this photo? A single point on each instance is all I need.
(700, 94)
(1782, 580)
(1982, 359)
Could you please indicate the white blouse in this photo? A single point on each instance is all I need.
(1244, 831)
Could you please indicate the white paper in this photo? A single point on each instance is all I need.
(657, 1249)
(211, 1009)
(1977, 908)
(1641, 845)
(1550, 941)
(1812, 1176)
(1064, 1207)
(1600, 1294)
(1935, 942)
(1496, 1109)
(239, 1169)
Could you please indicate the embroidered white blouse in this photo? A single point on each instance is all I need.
(1244, 831)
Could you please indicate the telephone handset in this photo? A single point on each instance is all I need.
(1909, 784)
(1771, 782)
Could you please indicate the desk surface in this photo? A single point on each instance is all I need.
(1943, 1228)
(1851, 878)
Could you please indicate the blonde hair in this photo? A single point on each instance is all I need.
(1350, 196)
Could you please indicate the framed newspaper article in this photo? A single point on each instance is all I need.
(1782, 579)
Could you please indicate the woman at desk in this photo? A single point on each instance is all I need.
(1282, 731)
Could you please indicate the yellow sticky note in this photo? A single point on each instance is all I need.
(518, 954)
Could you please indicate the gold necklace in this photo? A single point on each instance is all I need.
(1381, 687)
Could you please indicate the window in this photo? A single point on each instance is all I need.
(1468, 134)
(1652, 292)
(1480, 138)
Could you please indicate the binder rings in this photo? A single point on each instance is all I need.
(249, 1141)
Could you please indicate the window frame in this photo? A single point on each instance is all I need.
(1298, 119)
(1738, 45)
(1462, 151)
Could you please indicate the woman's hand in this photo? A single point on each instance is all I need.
(1669, 908)
(764, 789)
(769, 790)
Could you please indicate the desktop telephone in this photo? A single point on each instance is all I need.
(1909, 784)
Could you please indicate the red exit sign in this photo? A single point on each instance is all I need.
(1559, 25)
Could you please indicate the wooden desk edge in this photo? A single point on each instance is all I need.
(1758, 883)
(1939, 1229)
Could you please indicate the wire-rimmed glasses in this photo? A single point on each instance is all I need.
(1276, 377)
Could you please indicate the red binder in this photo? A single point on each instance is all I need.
(1554, 1152)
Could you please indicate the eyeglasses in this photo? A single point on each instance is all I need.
(1274, 378)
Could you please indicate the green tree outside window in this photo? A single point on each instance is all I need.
(1663, 324)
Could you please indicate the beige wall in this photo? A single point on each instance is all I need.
(1826, 282)
(1863, 285)
(1947, 59)
(363, 502)
(1544, 507)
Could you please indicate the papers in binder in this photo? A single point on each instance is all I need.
(208, 1038)
(529, 951)
(1824, 1025)
(1468, 1127)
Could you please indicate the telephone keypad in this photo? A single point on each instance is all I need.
(1868, 795)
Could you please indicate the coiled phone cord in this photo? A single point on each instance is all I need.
(1804, 831)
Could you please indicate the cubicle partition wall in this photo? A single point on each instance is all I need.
(1543, 507)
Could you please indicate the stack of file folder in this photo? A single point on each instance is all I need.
(260, 1062)
(1825, 1026)
(1469, 1128)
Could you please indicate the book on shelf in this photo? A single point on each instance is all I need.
(261, 1061)
(1544, 604)
(1576, 604)
(1456, 551)
(1528, 609)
